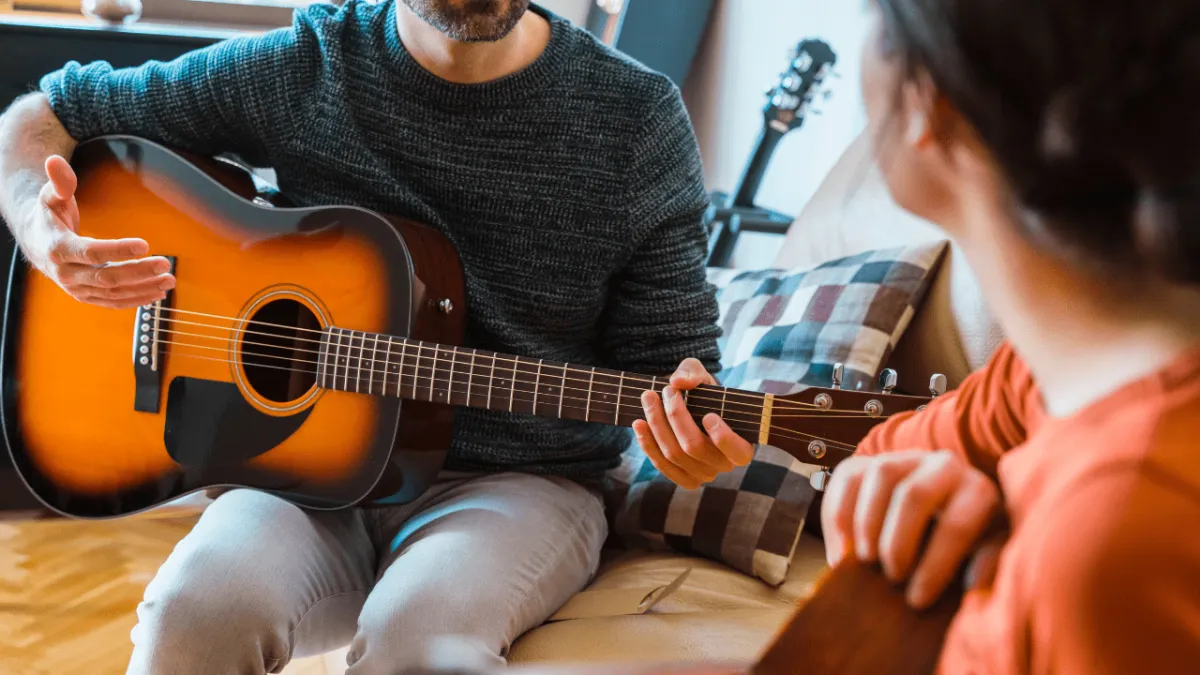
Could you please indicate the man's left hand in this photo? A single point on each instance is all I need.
(683, 452)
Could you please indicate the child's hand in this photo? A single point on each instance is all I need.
(881, 507)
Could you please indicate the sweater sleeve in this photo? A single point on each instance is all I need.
(981, 419)
(662, 308)
(231, 97)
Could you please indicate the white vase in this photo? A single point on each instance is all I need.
(113, 11)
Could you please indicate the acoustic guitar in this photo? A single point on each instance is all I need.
(312, 353)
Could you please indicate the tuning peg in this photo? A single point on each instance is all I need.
(820, 480)
(838, 371)
(937, 385)
(887, 380)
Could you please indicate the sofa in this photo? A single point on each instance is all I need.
(719, 614)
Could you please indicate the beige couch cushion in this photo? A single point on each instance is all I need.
(953, 333)
(718, 614)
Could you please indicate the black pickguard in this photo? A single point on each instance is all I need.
(210, 425)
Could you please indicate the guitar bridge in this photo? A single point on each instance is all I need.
(148, 349)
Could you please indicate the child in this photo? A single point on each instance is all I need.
(1057, 142)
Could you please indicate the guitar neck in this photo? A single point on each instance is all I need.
(383, 365)
(756, 168)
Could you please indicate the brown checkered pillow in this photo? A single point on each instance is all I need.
(782, 331)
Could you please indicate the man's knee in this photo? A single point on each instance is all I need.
(207, 609)
(430, 625)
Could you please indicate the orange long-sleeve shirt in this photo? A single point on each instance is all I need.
(1101, 572)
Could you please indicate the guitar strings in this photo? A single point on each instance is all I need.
(350, 334)
(726, 393)
(781, 431)
(733, 406)
(385, 384)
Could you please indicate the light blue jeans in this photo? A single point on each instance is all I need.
(259, 580)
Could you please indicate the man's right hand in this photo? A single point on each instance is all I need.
(106, 272)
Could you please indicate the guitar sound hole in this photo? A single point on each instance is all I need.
(279, 350)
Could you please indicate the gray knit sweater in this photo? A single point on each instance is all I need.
(572, 189)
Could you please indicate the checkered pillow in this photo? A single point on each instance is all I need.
(782, 331)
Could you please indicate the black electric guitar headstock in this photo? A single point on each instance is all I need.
(805, 78)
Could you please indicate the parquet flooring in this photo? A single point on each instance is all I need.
(69, 591)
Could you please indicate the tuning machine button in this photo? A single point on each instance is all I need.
(820, 480)
(838, 371)
(937, 385)
(887, 380)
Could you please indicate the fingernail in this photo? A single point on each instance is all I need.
(916, 594)
(669, 393)
(865, 553)
(646, 399)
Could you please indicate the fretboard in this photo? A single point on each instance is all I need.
(382, 365)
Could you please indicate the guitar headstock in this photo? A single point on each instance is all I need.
(798, 86)
(823, 425)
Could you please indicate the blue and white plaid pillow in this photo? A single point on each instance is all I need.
(782, 332)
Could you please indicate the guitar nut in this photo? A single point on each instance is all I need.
(816, 449)
(873, 408)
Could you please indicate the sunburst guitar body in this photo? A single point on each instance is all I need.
(108, 412)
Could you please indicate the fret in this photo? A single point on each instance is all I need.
(374, 357)
(724, 393)
(562, 390)
(537, 386)
(322, 357)
(491, 378)
(358, 370)
(346, 377)
(471, 377)
(416, 370)
(617, 407)
(587, 411)
(387, 367)
(513, 383)
(450, 378)
(433, 372)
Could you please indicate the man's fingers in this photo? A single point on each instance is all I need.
(914, 502)
(737, 449)
(72, 248)
(125, 303)
(959, 526)
(154, 286)
(118, 275)
(63, 180)
(641, 430)
(691, 374)
(664, 435)
(692, 440)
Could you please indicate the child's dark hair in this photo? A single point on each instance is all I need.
(1090, 107)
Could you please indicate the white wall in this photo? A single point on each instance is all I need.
(575, 11)
(747, 46)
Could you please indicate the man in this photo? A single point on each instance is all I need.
(567, 176)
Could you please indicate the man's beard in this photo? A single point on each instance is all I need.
(471, 20)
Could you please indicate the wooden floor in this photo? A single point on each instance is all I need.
(69, 589)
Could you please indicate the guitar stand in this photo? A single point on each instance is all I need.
(727, 222)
